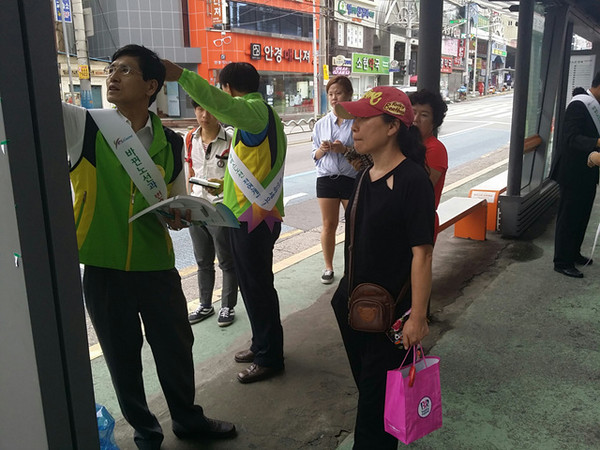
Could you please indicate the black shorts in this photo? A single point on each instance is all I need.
(335, 186)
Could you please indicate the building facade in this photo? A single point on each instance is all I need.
(354, 47)
(276, 36)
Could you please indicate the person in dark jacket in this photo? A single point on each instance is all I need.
(576, 171)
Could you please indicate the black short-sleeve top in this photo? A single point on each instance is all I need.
(389, 222)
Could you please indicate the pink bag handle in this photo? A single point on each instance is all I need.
(413, 371)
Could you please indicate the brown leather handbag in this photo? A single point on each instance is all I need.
(371, 307)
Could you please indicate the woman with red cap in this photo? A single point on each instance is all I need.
(393, 244)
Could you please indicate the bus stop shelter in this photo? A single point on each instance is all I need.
(46, 395)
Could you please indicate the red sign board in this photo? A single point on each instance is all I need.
(446, 64)
(216, 11)
(459, 59)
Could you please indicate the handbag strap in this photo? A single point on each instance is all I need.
(352, 229)
(414, 348)
(352, 225)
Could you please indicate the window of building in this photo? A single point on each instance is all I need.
(267, 19)
(340, 34)
(354, 36)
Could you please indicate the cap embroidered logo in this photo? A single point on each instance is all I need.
(395, 108)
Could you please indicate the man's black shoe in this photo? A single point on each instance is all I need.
(216, 429)
(254, 373)
(582, 261)
(569, 271)
(245, 356)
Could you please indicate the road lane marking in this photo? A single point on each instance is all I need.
(485, 124)
(287, 199)
(474, 176)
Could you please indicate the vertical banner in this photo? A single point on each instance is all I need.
(459, 60)
(216, 11)
(66, 11)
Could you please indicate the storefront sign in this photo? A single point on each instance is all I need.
(66, 6)
(341, 70)
(84, 72)
(341, 60)
(459, 59)
(277, 54)
(371, 64)
(356, 11)
(446, 64)
(216, 11)
(498, 49)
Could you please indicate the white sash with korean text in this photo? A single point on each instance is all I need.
(245, 180)
(592, 106)
(132, 154)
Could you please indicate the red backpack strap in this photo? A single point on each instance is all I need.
(188, 147)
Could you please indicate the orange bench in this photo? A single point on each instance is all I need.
(491, 190)
(468, 215)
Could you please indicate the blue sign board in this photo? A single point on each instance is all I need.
(66, 11)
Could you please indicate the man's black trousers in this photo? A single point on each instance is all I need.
(574, 210)
(253, 255)
(116, 300)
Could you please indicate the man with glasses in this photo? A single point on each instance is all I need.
(129, 267)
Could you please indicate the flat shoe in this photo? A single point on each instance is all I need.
(245, 356)
(254, 373)
(213, 428)
(569, 271)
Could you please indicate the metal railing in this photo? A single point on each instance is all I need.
(299, 125)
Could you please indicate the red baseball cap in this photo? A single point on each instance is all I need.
(377, 101)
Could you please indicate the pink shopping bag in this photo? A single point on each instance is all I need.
(413, 404)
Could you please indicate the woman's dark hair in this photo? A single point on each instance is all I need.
(409, 140)
(343, 81)
(241, 76)
(433, 99)
(578, 91)
(150, 64)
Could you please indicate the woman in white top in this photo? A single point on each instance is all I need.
(332, 139)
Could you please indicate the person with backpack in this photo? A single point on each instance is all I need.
(207, 150)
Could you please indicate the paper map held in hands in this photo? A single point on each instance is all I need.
(202, 211)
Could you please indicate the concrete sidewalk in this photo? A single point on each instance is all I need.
(519, 347)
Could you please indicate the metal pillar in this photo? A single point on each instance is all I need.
(46, 398)
(523, 62)
(85, 85)
(430, 44)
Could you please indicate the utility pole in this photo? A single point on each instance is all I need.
(316, 86)
(83, 68)
(489, 54)
(475, 58)
(467, 45)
